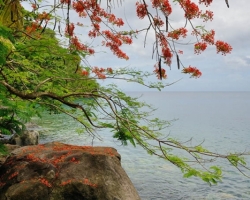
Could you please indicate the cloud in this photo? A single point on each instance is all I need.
(237, 62)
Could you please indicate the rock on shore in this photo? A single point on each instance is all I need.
(57, 171)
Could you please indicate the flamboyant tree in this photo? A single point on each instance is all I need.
(40, 72)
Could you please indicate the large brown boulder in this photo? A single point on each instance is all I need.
(56, 171)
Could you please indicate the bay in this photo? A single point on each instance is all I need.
(220, 119)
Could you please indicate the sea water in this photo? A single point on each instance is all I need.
(221, 120)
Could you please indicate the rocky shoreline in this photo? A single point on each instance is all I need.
(56, 171)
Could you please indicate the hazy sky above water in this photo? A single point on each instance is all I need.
(219, 73)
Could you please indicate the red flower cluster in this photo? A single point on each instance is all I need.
(34, 26)
(157, 72)
(77, 45)
(158, 22)
(206, 2)
(92, 9)
(99, 72)
(190, 8)
(33, 6)
(223, 47)
(79, 8)
(199, 47)
(176, 34)
(167, 55)
(166, 52)
(163, 5)
(66, 1)
(110, 70)
(208, 15)
(43, 16)
(208, 37)
(114, 41)
(116, 50)
(84, 73)
(193, 71)
(69, 29)
(141, 10)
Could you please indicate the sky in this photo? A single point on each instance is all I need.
(219, 73)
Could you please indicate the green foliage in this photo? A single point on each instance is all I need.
(39, 66)
(6, 45)
(3, 149)
(8, 124)
(123, 135)
(211, 177)
(236, 160)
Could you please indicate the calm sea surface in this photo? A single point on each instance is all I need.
(222, 119)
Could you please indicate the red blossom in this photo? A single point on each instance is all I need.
(159, 74)
(156, 3)
(163, 5)
(167, 55)
(206, 2)
(79, 8)
(119, 22)
(223, 47)
(176, 34)
(43, 16)
(110, 70)
(77, 45)
(166, 52)
(92, 34)
(33, 6)
(97, 15)
(126, 39)
(66, 2)
(95, 18)
(199, 47)
(99, 72)
(208, 15)
(141, 10)
(91, 51)
(193, 71)
(158, 21)
(69, 29)
(96, 26)
(84, 73)
(209, 37)
(166, 7)
(34, 26)
(190, 8)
